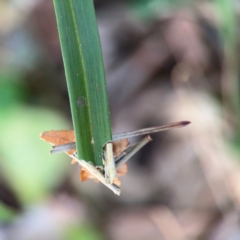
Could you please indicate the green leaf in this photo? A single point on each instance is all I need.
(86, 232)
(11, 91)
(25, 160)
(84, 69)
(150, 8)
(6, 214)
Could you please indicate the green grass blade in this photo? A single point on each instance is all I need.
(228, 26)
(84, 70)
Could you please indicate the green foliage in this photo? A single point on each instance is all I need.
(6, 214)
(228, 25)
(25, 160)
(146, 8)
(85, 76)
(84, 232)
(11, 91)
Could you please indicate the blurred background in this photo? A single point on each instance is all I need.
(165, 61)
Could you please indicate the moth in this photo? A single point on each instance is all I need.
(115, 152)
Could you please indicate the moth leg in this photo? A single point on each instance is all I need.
(134, 150)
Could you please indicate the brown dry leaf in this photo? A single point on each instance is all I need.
(119, 146)
(59, 137)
